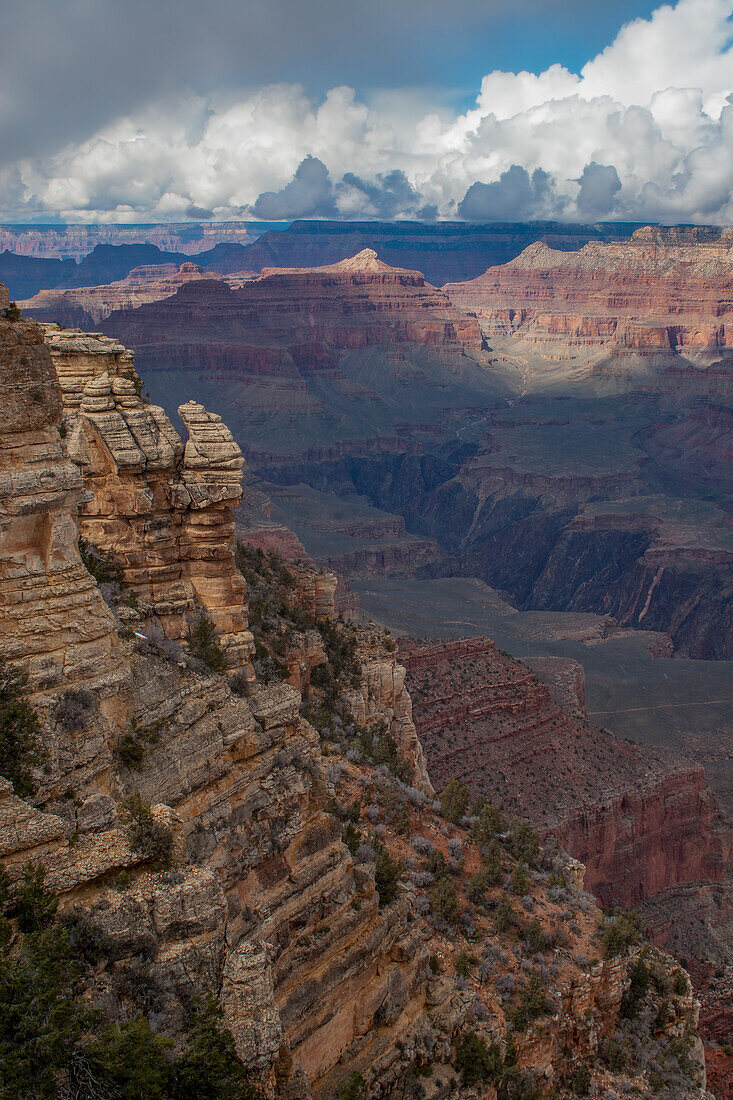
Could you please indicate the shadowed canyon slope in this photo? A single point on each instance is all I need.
(317, 357)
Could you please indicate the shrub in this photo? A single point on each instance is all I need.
(131, 1060)
(203, 643)
(352, 1088)
(100, 564)
(153, 841)
(463, 963)
(580, 1081)
(88, 944)
(476, 889)
(524, 842)
(520, 879)
(12, 312)
(20, 746)
(41, 1019)
(379, 746)
(614, 1055)
(133, 745)
(31, 904)
(444, 901)
(435, 864)
(505, 917)
(208, 1068)
(475, 1061)
(535, 937)
(488, 823)
(386, 876)
(491, 863)
(73, 709)
(532, 1003)
(454, 800)
(640, 979)
(621, 931)
(680, 986)
(352, 838)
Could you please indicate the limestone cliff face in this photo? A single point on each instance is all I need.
(50, 611)
(162, 509)
(263, 903)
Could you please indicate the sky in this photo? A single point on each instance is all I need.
(481, 110)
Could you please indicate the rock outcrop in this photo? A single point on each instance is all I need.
(161, 509)
(50, 612)
(87, 306)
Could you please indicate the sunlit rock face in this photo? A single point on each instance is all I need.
(162, 508)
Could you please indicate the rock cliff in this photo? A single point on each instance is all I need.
(640, 823)
(162, 509)
(87, 306)
(661, 295)
(195, 841)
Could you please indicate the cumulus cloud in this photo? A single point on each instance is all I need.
(598, 186)
(643, 132)
(514, 195)
(308, 195)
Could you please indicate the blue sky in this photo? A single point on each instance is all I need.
(130, 110)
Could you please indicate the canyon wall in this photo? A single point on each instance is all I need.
(661, 294)
(258, 899)
(641, 823)
(85, 307)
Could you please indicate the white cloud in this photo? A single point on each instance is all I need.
(645, 131)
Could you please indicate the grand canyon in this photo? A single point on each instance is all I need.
(366, 551)
(568, 460)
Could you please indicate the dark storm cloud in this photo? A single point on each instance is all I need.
(308, 195)
(311, 193)
(514, 196)
(599, 186)
(390, 195)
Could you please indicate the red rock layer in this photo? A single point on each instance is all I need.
(655, 293)
(293, 320)
(92, 304)
(638, 823)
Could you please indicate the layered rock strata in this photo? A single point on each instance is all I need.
(87, 306)
(161, 508)
(639, 822)
(295, 319)
(50, 611)
(662, 293)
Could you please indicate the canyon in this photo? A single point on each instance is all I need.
(598, 484)
(320, 973)
(557, 428)
(39, 258)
